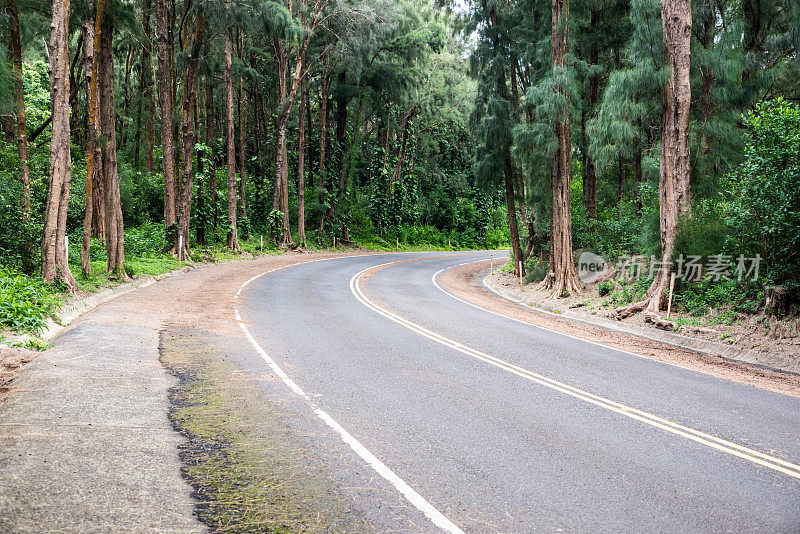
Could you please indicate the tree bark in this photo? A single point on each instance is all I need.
(301, 158)
(233, 237)
(674, 187)
(589, 170)
(562, 277)
(147, 86)
(165, 81)
(188, 106)
(212, 177)
(22, 123)
(325, 87)
(126, 95)
(674, 179)
(55, 267)
(242, 151)
(115, 231)
(91, 39)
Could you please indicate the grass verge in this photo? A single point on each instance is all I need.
(249, 472)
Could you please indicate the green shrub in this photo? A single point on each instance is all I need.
(25, 303)
(536, 269)
(764, 213)
(604, 288)
(699, 298)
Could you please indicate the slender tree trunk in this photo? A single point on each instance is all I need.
(22, 123)
(512, 217)
(562, 277)
(589, 170)
(212, 177)
(54, 254)
(188, 106)
(243, 152)
(165, 81)
(309, 146)
(281, 178)
(325, 88)
(146, 83)
(674, 188)
(233, 237)
(200, 230)
(75, 116)
(91, 39)
(126, 95)
(301, 158)
(115, 231)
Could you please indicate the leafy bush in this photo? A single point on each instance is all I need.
(704, 235)
(764, 214)
(698, 299)
(25, 303)
(604, 288)
(145, 240)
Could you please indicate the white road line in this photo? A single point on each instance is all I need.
(419, 502)
(765, 460)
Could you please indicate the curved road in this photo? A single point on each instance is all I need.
(436, 415)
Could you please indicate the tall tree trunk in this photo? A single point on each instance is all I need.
(301, 158)
(516, 248)
(589, 170)
(146, 82)
(233, 236)
(54, 254)
(22, 123)
(309, 146)
(243, 152)
(281, 178)
(115, 231)
(562, 277)
(341, 128)
(126, 95)
(212, 177)
(325, 87)
(74, 73)
(188, 106)
(674, 187)
(165, 81)
(91, 40)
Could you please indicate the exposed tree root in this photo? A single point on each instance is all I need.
(560, 286)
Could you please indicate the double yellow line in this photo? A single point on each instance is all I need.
(760, 458)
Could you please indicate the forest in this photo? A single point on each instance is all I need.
(136, 134)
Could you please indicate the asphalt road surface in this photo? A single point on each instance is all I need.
(480, 423)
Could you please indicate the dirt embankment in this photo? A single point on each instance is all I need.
(464, 282)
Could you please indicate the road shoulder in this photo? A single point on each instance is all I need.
(465, 282)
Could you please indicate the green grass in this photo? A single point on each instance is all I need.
(26, 303)
(250, 471)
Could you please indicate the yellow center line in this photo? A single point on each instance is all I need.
(734, 449)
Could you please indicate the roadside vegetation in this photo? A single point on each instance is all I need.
(249, 471)
(658, 130)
